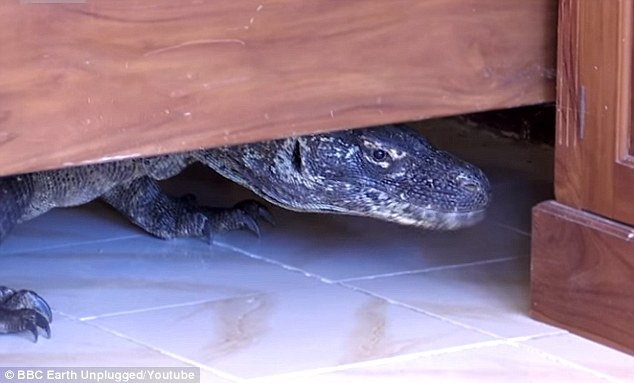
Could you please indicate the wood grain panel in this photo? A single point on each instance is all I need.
(629, 148)
(568, 161)
(594, 163)
(108, 79)
(582, 274)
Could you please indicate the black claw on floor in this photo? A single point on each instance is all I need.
(38, 304)
(42, 323)
(249, 223)
(28, 322)
(33, 329)
(242, 216)
(24, 310)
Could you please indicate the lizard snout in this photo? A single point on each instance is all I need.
(473, 188)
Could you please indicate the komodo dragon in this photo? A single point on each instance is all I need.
(390, 173)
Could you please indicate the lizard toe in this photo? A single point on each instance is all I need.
(256, 210)
(242, 216)
(27, 299)
(14, 321)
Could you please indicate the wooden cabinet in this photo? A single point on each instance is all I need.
(97, 80)
(583, 244)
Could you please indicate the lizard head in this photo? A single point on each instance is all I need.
(390, 173)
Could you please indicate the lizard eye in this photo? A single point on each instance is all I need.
(379, 154)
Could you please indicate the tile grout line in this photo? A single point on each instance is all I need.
(515, 342)
(274, 262)
(379, 362)
(490, 343)
(71, 244)
(424, 312)
(368, 277)
(429, 269)
(154, 308)
(545, 335)
(512, 228)
(360, 290)
(565, 362)
(426, 354)
(172, 355)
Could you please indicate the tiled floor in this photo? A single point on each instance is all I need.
(316, 299)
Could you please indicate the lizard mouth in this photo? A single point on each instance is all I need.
(404, 214)
(434, 219)
(451, 220)
(387, 209)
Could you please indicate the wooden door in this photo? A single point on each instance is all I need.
(595, 151)
(582, 252)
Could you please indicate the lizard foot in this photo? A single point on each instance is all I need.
(242, 216)
(23, 310)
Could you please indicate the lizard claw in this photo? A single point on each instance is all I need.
(24, 310)
(242, 216)
(25, 320)
(24, 299)
(256, 209)
(247, 222)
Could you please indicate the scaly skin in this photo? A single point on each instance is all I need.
(23, 310)
(390, 173)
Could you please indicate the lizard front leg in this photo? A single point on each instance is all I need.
(15, 196)
(146, 205)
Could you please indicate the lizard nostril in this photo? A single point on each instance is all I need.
(471, 186)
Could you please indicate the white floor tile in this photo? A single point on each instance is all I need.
(65, 227)
(500, 364)
(73, 344)
(139, 274)
(493, 297)
(589, 354)
(290, 331)
(339, 248)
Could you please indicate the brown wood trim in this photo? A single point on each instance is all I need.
(625, 152)
(108, 79)
(582, 275)
(571, 100)
(594, 170)
(625, 68)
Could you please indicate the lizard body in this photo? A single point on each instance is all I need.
(389, 173)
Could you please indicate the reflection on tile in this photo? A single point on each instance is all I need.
(64, 227)
(288, 331)
(588, 354)
(343, 247)
(493, 297)
(500, 364)
(141, 273)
